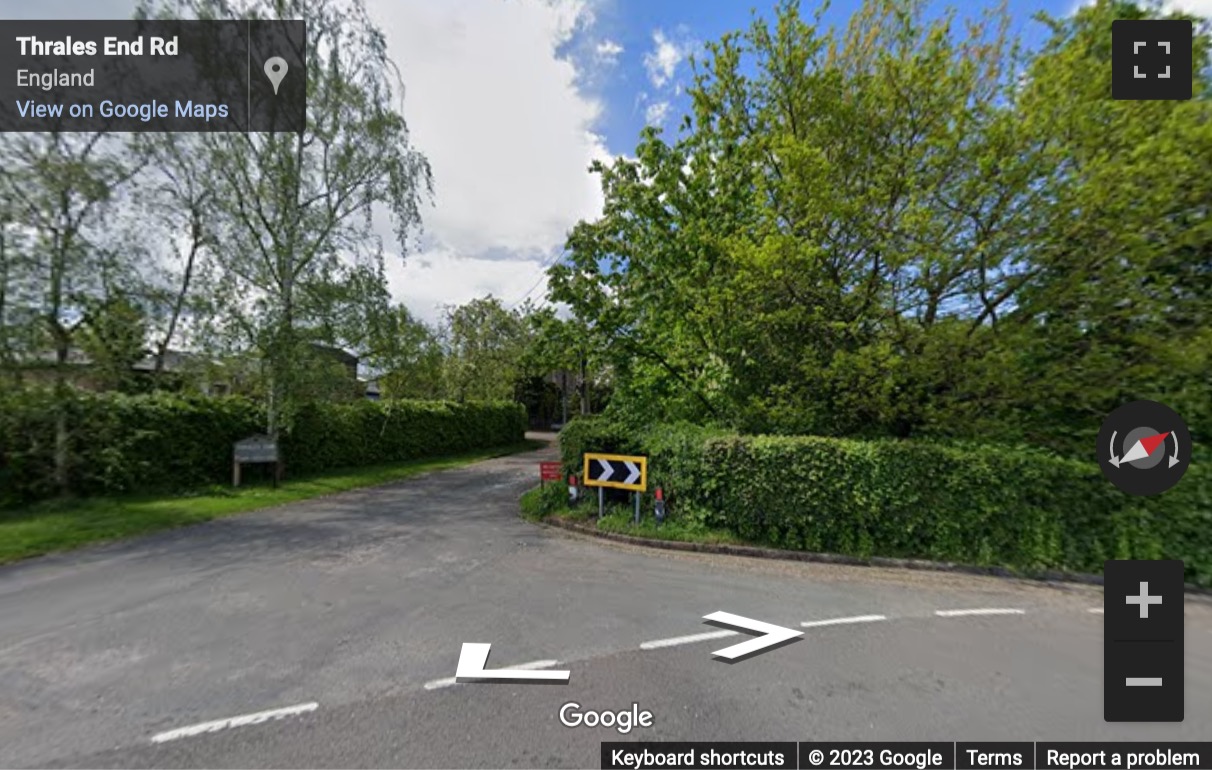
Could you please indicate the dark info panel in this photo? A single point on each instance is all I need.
(916, 755)
(148, 76)
(1143, 641)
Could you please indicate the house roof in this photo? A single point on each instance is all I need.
(174, 360)
(344, 356)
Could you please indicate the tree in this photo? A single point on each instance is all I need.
(295, 210)
(57, 188)
(113, 335)
(562, 348)
(407, 356)
(177, 194)
(485, 344)
(901, 230)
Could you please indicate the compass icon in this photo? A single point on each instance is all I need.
(1143, 447)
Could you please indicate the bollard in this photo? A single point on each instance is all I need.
(659, 505)
(573, 492)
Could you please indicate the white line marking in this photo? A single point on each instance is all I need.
(240, 721)
(842, 621)
(533, 665)
(979, 611)
(675, 641)
(1095, 610)
(1144, 681)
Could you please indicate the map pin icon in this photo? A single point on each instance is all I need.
(275, 70)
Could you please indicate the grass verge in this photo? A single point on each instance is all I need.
(59, 525)
(552, 502)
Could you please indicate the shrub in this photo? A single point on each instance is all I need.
(327, 436)
(595, 434)
(117, 442)
(122, 443)
(990, 505)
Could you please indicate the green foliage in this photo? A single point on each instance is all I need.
(595, 434)
(327, 436)
(908, 227)
(486, 343)
(308, 265)
(117, 443)
(409, 355)
(544, 500)
(120, 443)
(1015, 507)
(113, 336)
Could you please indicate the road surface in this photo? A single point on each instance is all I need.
(349, 612)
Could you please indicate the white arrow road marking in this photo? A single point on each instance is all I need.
(607, 470)
(771, 635)
(635, 472)
(240, 721)
(448, 681)
(474, 657)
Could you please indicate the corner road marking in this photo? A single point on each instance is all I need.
(240, 721)
(533, 665)
(675, 641)
(843, 621)
(979, 611)
(1095, 610)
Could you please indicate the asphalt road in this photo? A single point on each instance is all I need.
(356, 602)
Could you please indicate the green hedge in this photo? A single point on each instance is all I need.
(120, 443)
(973, 504)
(326, 436)
(595, 434)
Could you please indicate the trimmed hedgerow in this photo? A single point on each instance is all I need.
(326, 436)
(122, 443)
(988, 505)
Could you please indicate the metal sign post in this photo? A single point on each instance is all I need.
(629, 472)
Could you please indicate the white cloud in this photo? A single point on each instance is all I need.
(498, 107)
(432, 279)
(663, 60)
(655, 113)
(608, 51)
(508, 133)
(1196, 7)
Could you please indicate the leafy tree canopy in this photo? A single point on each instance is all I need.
(909, 227)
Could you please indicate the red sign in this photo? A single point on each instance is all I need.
(551, 471)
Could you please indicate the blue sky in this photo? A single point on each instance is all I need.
(644, 28)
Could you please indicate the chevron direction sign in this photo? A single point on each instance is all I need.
(628, 472)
